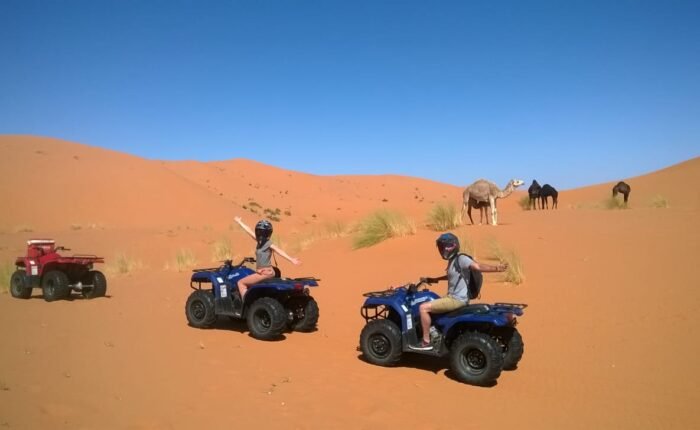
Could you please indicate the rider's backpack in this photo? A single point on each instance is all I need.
(476, 279)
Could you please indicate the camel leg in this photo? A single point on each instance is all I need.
(494, 211)
(461, 213)
(469, 212)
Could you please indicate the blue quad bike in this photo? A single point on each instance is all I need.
(480, 339)
(270, 307)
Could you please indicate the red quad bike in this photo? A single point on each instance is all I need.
(56, 275)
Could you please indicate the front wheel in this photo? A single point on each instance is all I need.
(199, 309)
(476, 359)
(380, 342)
(304, 314)
(98, 282)
(266, 319)
(55, 286)
(19, 285)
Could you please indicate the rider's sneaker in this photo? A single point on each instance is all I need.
(423, 346)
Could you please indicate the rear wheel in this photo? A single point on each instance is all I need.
(304, 313)
(513, 351)
(476, 358)
(19, 285)
(55, 286)
(199, 309)
(266, 318)
(380, 342)
(98, 282)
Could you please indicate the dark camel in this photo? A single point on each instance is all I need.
(623, 189)
(534, 193)
(547, 191)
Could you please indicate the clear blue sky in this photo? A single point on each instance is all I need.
(566, 92)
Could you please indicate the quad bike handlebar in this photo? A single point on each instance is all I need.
(412, 288)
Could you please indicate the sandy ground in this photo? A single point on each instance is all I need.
(610, 341)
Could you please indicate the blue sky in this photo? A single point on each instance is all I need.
(565, 92)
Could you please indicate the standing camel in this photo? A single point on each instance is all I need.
(623, 189)
(534, 193)
(486, 192)
(547, 191)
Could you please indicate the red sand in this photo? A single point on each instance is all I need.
(609, 335)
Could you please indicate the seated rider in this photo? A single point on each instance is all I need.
(263, 254)
(457, 284)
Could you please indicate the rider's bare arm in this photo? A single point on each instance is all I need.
(279, 251)
(483, 267)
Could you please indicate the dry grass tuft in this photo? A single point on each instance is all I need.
(613, 203)
(6, 271)
(123, 265)
(380, 226)
(184, 259)
(659, 201)
(515, 273)
(467, 246)
(222, 250)
(524, 203)
(443, 217)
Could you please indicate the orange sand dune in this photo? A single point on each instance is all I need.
(609, 334)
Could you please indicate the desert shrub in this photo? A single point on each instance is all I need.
(6, 271)
(123, 264)
(184, 259)
(336, 229)
(221, 250)
(443, 217)
(467, 246)
(524, 203)
(515, 273)
(23, 229)
(382, 225)
(614, 203)
(659, 201)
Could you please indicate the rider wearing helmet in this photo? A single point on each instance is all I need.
(457, 285)
(263, 254)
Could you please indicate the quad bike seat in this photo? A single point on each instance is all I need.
(479, 308)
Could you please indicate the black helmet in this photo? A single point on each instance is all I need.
(263, 231)
(448, 245)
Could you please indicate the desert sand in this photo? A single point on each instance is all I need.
(609, 335)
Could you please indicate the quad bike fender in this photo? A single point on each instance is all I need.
(479, 322)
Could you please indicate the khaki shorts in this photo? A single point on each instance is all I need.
(445, 304)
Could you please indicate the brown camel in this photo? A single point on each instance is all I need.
(623, 189)
(484, 194)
